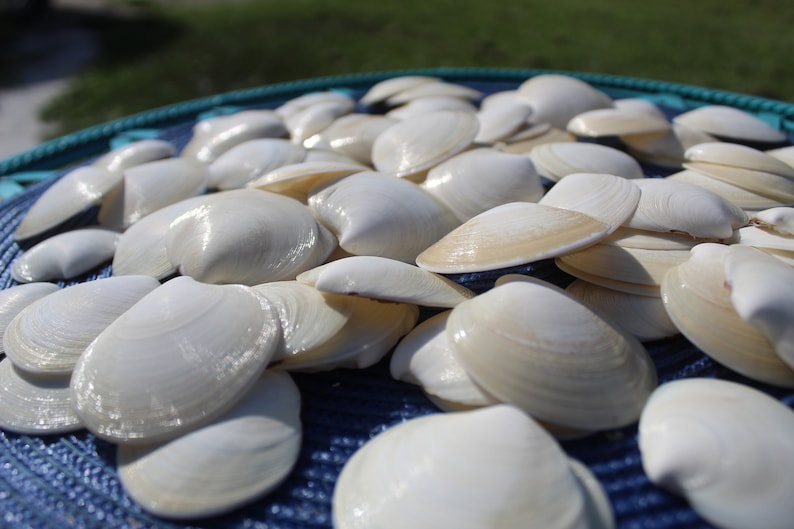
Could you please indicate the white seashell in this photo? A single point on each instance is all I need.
(423, 105)
(327, 155)
(237, 458)
(178, 358)
(610, 199)
(414, 145)
(667, 149)
(65, 255)
(667, 205)
(48, 336)
(383, 90)
(375, 214)
(148, 187)
(498, 122)
(385, 279)
(475, 181)
(524, 141)
(218, 134)
(698, 301)
(35, 405)
(556, 99)
(723, 446)
(603, 122)
(510, 235)
(502, 97)
(76, 191)
(352, 135)
(643, 316)
(779, 220)
(556, 160)
(549, 356)
(433, 89)
(246, 236)
(652, 240)
(730, 123)
(762, 292)
(762, 238)
(304, 101)
(296, 180)
(251, 159)
(315, 118)
(135, 153)
(425, 357)
(784, 154)
(16, 298)
(747, 200)
(141, 248)
(638, 105)
(423, 473)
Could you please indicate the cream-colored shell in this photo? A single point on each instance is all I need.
(555, 160)
(251, 159)
(667, 149)
(352, 135)
(134, 153)
(216, 135)
(435, 88)
(423, 105)
(743, 198)
(315, 118)
(617, 121)
(298, 179)
(779, 220)
(383, 90)
(730, 123)
(556, 99)
(15, 298)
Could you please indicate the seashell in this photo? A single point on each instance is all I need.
(237, 458)
(148, 187)
(16, 298)
(251, 159)
(141, 248)
(762, 238)
(554, 358)
(602, 122)
(558, 159)
(48, 336)
(474, 181)
(315, 118)
(433, 89)
(385, 279)
(731, 124)
(383, 90)
(304, 101)
(779, 220)
(32, 405)
(327, 155)
(651, 240)
(698, 301)
(425, 357)
(667, 205)
(723, 446)
(296, 180)
(524, 141)
(134, 153)
(610, 199)
(215, 135)
(414, 145)
(499, 98)
(178, 358)
(519, 474)
(744, 167)
(644, 317)
(65, 255)
(762, 292)
(556, 99)
(747, 200)
(76, 191)
(667, 149)
(246, 236)
(784, 154)
(375, 214)
(509, 235)
(498, 122)
(423, 105)
(638, 105)
(352, 135)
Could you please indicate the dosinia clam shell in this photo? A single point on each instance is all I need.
(747, 200)
(15, 298)
(251, 159)
(509, 235)
(556, 99)
(616, 122)
(216, 135)
(667, 149)
(423, 105)
(352, 135)
(553, 357)
(135, 153)
(313, 119)
(383, 90)
(48, 336)
(436, 88)
(297, 180)
(237, 458)
(556, 160)
(413, 475)
(730, 123)
(726, 447)
(179, 357)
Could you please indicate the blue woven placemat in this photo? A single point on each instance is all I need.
(71, 481)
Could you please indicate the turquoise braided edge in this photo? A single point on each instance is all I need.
(93, 140)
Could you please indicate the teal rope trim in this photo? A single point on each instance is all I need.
(93, 140)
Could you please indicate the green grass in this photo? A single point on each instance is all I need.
(170, 54)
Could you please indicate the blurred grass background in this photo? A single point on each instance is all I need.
(156, 53)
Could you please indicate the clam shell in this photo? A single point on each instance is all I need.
(35, 405)
(556, 160)
(474, 181)
(762, 238)
(554, 358)
(237, 458)
(48, 336)
(509, 235)
(616, 122)
(414, 145)
(249, 160)
(178, 358)
(423, 105)
(383, 90)
(385, 279)
(246, 236)
(300, 103)
(747, 200)
(723, 446)
(652, 240)
(556, 99)
(65, 255)
(353, 135)
(784, 154)
(375, 214)
(76, 191)
(296, 180)
(432, 89)
(315, 118)
(518, 474)
(14, 299)
(779, 220)
(524, 141)
(498, 122)
(667, 149)
(730, 123)
(698, 301)
(135, 153)
(215, 135)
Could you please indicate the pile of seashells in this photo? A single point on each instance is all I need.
(307, 237)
